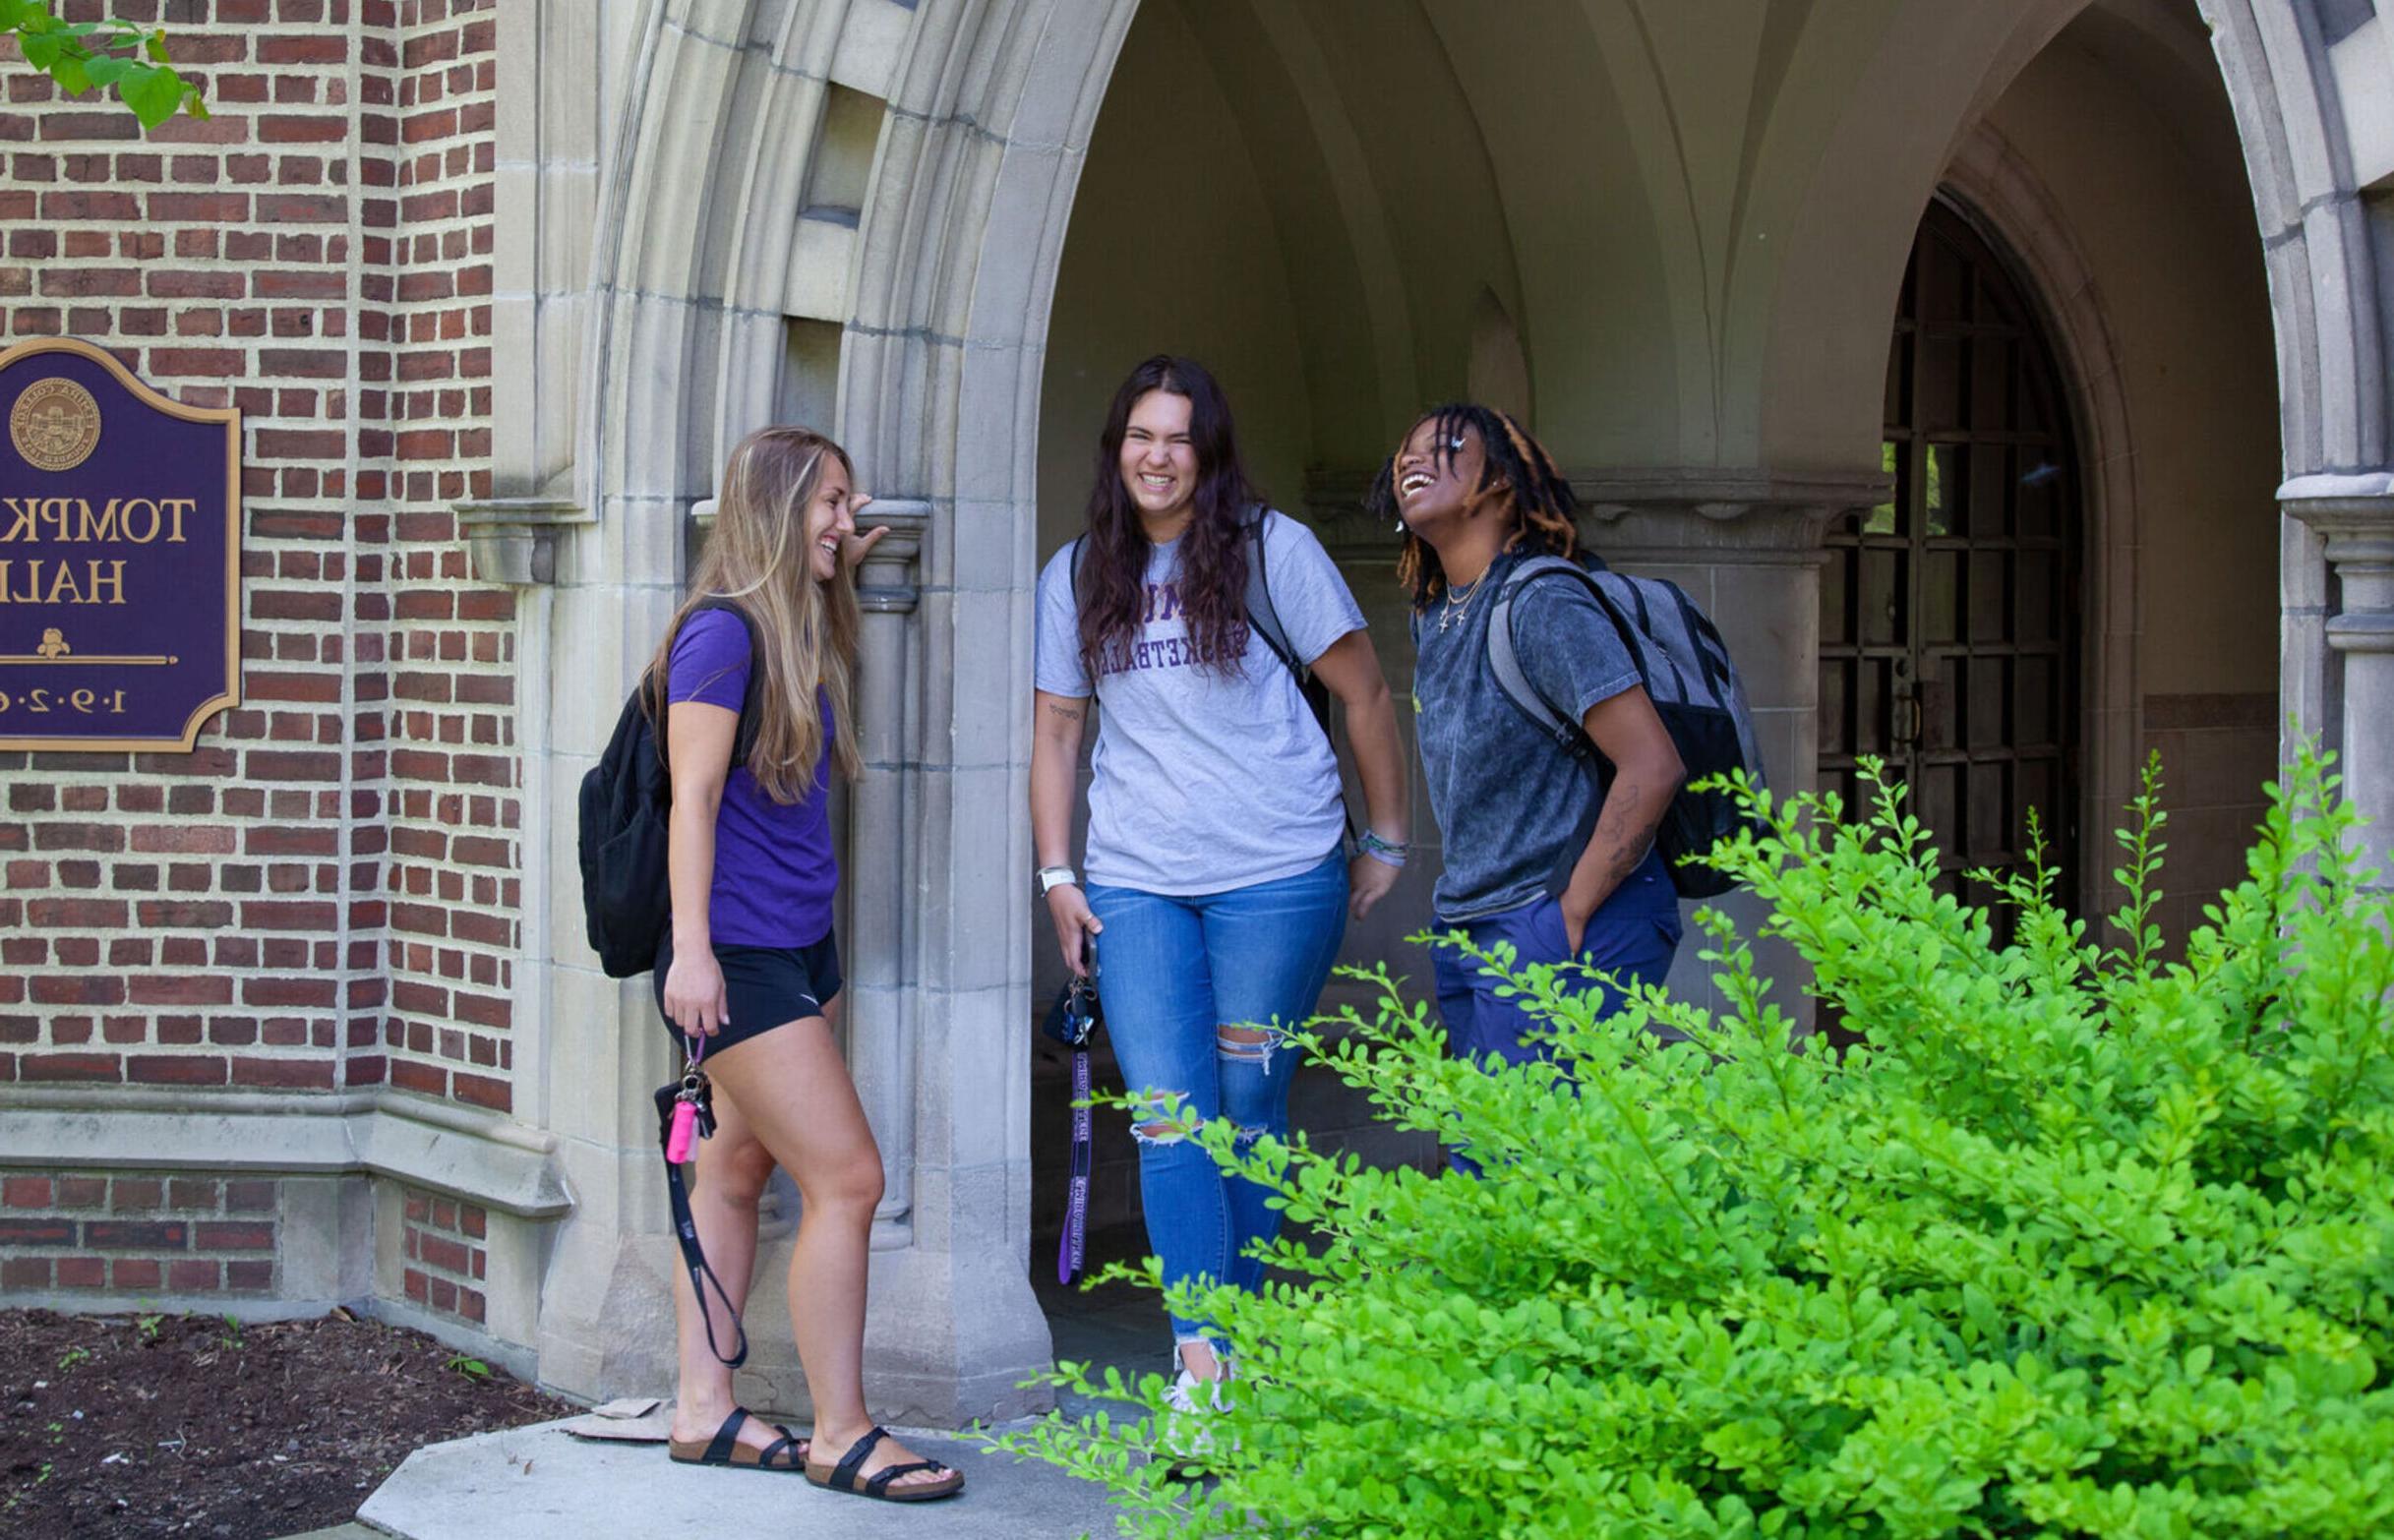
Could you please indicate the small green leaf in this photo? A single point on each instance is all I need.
(72, 73)
(104, 70)
(151, 93)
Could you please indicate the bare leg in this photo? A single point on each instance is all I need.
(732, 1171)
(794, 1090)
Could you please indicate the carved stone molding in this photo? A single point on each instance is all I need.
(513, 540)
(2354, 515)
(887, 584)
(1635, 515)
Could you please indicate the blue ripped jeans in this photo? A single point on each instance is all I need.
(1172, 973)
(1632, 937)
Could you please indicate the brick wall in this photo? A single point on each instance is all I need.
(446, 680)
(173, 1233)
(322, 896)
(446, 1256)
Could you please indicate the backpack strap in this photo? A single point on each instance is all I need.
(1262, 613)
(1504, 660)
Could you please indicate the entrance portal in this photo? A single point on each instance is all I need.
(1949, 614)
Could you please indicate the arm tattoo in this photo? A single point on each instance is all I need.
(1616, 828)
(1068, 713)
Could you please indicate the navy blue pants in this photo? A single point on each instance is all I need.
(1632, 937)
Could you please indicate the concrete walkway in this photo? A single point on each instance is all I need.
(538, 1482)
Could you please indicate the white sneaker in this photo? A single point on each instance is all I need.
(1192, 1400)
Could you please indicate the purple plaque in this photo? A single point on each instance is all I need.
(120, 555)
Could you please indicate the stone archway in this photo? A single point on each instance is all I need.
(862, 203)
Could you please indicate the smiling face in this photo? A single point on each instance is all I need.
(1437, 478)
(830, 518)
(1159, 459)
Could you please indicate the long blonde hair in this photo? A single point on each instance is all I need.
(758, 556)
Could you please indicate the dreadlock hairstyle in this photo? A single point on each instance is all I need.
(1113, 591)
(1518, 477)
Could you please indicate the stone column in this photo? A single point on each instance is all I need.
(883, 847)
(2353, 518)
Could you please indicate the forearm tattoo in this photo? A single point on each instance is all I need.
(1617, 832)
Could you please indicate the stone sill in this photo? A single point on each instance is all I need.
(482, 1158)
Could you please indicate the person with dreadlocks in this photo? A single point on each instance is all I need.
(1551, 852)
(1217, 869)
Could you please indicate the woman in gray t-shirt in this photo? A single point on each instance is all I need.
(1216, 867)
(1546, 849)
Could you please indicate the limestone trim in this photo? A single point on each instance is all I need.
(2324, 283)
(1998, 192)
(2352, 520)
(487, 1161)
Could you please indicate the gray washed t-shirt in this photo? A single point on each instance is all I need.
(1510, 802)
(1205, 782)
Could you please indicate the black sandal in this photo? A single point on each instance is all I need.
(725, 1449)
(843, 1476)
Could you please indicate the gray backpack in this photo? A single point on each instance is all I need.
(1688, 675)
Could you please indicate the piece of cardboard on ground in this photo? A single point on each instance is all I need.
(635, 1419)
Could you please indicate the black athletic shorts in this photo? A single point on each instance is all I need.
(768, 986)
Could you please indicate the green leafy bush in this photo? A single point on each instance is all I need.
(2080, 1243)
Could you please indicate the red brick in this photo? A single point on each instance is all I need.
(95, 1067)
(136, 1234)
(175, 1070)
(200, 207)
(26, 1192)
(82, 1273)
(38, 1232)
(135, 1272)
(24, 1272)
(194, 1274)
(222, 1236)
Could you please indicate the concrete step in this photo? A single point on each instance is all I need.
(541, 1481)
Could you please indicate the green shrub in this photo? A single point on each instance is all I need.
(2080, 1242)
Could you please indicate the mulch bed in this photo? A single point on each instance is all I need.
(190, 1425)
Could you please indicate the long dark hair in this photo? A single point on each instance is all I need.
(1113, 590)
(1534, 499)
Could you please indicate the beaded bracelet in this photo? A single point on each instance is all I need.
(1386, 852)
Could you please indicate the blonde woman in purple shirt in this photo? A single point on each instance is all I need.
(748, 974)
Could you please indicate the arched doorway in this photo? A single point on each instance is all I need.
(1951, 614)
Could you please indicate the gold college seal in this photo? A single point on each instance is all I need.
(55, 424)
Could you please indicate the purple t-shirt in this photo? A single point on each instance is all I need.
(775, 870)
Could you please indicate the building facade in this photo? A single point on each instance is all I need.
(2009, 381)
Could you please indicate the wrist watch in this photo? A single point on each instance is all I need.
(1052, 878)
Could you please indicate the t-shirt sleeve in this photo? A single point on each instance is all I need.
(1313, 602)
(709, 663)
(1567, 645)
(1056, 645)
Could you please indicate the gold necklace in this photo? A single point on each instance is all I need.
(1455, 607)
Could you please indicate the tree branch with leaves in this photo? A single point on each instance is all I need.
(82, 55)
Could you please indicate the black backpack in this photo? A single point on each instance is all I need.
(627, 797)
(1687, 673)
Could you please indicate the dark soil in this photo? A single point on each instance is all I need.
(189, 1425)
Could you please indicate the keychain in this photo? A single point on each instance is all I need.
(693, 1109)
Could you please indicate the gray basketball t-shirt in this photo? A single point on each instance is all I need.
(1511, 804)
(1205, 780)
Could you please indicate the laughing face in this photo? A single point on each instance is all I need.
(1159, 461)
(1438, 476)
(831, 518)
